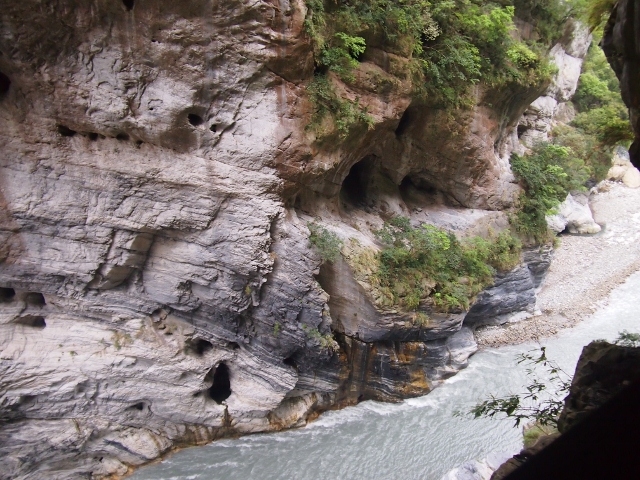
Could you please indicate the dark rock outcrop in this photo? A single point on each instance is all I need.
(621, 45)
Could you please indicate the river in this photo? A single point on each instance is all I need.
(419, 438)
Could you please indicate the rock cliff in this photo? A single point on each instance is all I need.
(621, 44)
(157, 286)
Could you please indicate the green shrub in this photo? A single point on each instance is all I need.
(451, 44)
(345, 115)
(428, 264)
(326, 243)
(547, 174)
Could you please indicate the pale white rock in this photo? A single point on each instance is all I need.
(631, 178)
(574, 215)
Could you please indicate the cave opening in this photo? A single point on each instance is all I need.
(195, 120)
(92, 136)
(123, 137)
(35, 299)
(521, 130)
(213, 128)
(233, 345)
(356, 184)
(198, 346)
(408, 118)
(66, 131)
(290, 362)
(417, 192)
(32, 321)
(128, 4)
(6, 294)
(138, 406)
(221, 387)
(5, 83)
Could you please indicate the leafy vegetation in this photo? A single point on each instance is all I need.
(627, 339)
(326, 243)
(449, 45)
(345, 114)
(547, 174)
(325, 341)
(426, 264)
(602, 120)
(542, 401)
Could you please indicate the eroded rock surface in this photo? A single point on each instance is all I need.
(157, 285)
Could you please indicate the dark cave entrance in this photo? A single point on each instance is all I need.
(6, 294)
(221, 387)
(357, 183)
(417, 191)
(5, 83)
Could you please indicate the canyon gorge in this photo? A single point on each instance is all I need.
(162, 165)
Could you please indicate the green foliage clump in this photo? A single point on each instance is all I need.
(450, 45)
(428, 264)
(627, 339)
(345, 114)
(543, 400)
(547, 174)
(324, 341)
(602, 120)
(326, 243)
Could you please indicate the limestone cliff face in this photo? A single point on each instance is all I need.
(621, 45)
(157, 287)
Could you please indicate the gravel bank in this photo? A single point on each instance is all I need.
(584, 270)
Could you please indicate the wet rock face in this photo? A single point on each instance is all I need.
(621, 45)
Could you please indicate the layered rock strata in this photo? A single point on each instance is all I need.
(157, 286)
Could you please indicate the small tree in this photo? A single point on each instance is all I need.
(541, 403)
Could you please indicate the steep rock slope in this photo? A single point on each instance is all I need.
(157, 284)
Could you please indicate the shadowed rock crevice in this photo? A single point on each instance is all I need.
(7, 294)
(5, 83)
(35, 299)
(33, 321)
(197, 347)
(221, 387)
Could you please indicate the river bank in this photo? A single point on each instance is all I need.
(584, 271)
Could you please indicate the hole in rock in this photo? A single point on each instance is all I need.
(93, 136)
(138, 406)
(418, 192)
(221, 387)
(360, 398)
(6, 294)
(36, 299)
(521, 129)
(195, 120)
(213, 128)
(128, 4)
(408, 118)
(66, 131)
(355, 185)
(198, 346)
(291, 362)
(233, 346)
(122, 137)
(5, 83)
(32, 321)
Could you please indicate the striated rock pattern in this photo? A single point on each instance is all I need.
(157, 286)
(621, 45)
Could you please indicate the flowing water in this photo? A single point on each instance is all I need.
(417, 439)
